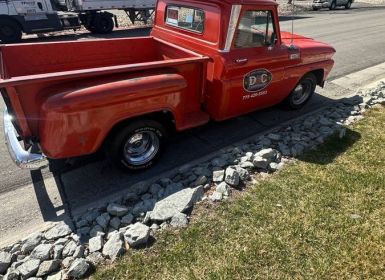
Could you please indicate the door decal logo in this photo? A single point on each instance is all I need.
(257, 80)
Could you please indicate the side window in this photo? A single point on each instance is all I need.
(186, 18)
(255, 29)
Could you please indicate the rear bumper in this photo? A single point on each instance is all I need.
(22, 158)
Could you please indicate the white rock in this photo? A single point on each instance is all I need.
(232, 177)
(79, 268)
(29, 268)
(48, 267)
(117, 210)
(137, 234)
(179, 220)
(218, 176)
(260, 162)
(42, 252)
(96, 244)
(176, 203)
(269, 154)
(96, 258)
(79, 252)
(31, 242)
(56, 276)
(216, 196)
(5, 261)
(114, 247)
(57, 251)
(12, 274)
(69, 249)
(224, 189)
(66, 263)
(59, 230)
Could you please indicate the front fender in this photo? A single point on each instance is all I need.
(75, 123)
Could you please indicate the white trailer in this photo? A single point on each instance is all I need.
(41, 16)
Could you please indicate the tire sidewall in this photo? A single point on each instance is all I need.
(128, 133)
(99, 27)
(294, 106)
(17, 33)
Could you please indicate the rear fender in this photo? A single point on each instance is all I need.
(75, 123)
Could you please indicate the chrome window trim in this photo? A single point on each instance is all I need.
(234, 17)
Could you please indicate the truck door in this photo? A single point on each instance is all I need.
(257, 63)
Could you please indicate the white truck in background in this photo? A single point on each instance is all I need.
(42, 16)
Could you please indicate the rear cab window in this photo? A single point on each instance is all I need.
(187, 18)
(255, 29)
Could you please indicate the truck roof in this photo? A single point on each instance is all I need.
(240, 2)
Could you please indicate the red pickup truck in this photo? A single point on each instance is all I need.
(212, 59)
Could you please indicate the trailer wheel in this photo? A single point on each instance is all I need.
(103, 23)
(302, 93)
(333, 6)
(137, 146)
(348, 5)
(10, 31)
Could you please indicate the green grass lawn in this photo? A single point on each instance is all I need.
(322, 217)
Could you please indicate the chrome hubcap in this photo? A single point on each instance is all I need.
(141, 148)
(301, 93)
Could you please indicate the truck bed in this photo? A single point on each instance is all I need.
(36, 59)
(34, 74)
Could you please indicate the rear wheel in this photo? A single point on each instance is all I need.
(137, 146)
(302, 92)
(10, 31)
(333, 6)
(102, 23)
(348, 5)
(315, 9)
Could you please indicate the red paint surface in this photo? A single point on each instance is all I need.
(69, 95)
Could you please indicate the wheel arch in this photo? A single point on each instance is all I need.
(319, 74)
(164, 117)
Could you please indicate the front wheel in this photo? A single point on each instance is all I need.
(302, 92)
(137, 146)
(10, 31)
(103, 23)
(348, 5)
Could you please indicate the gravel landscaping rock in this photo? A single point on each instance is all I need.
(79, 268)
(180, 220)
(5, 261)
(95, 258)
(117, 210)
(59, 230)
(42, 252)
(12, 274)
(69, 249)
(31, 242)
(137, 234)
(29, 268)
(232, 177)
(114, 247)
(47, 267)
(95, 244)
(128, 219)
(56, 276)
(176, 203)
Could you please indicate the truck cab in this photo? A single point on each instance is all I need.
(204, 60)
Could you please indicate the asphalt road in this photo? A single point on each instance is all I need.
(357, 35)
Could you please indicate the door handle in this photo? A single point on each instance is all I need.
(241, 60)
